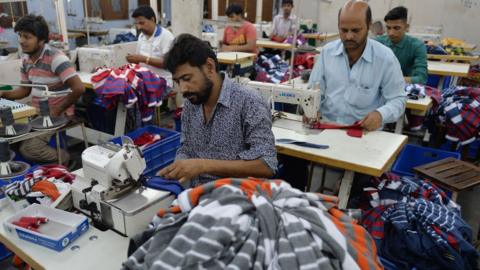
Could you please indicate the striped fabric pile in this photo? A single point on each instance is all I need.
(252, 224)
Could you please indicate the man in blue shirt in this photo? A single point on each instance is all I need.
(360, 79)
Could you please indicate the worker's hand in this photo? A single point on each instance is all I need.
(183, 170)
(372, 121)
(225, 48)
(136, 58)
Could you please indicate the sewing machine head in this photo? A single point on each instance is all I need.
(113, 166)
(307, 99)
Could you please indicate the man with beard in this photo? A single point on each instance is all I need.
(226, 127)
(153, 42)
(361, 80)
(44, 65)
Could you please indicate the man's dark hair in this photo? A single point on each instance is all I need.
(189, 49)
(398, 13)
(287, 2)
(145, 11)
(35, 25)
(234, 9)
(368, 15)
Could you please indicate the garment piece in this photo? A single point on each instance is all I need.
(146, 139)
(412, 55)
(20, 189)
(156, 46)
(131, 84)
(416, 225)
(240, 129)
(240, 35)
(271, 68)
(459, 112)
(252, 224)
(354, 130)
(374, 83)
(284, 27)
(302, 143)
(47, 188)
(159, 183)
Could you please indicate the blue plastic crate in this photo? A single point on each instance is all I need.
(414, 155)
(159, 154)
(4, 252)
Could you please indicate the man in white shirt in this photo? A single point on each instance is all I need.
(284, 24)
(154, 41)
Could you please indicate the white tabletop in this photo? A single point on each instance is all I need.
(421, 104)
(372, 154)
(234, 57)
(109, 251)
(85, 78)
(448, 69)
(266, 43)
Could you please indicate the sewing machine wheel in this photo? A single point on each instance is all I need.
(58, 122)
(18, 168)
(20, 130)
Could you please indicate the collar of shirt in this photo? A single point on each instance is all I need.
(157, 33)
(367, 54)
(225, 92)
(45, 48)
(399, 45)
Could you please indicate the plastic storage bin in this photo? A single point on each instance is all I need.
(159, 154)
(4, 252)
(414, 155)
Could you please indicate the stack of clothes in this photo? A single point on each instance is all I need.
(271, 68)
(131, 84)
(415, 224)
(415, 92)
(459, 111)
(252, 224)
(44, 185)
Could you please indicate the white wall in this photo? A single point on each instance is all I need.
(458, 20)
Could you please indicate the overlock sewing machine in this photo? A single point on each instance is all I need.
(110, 190)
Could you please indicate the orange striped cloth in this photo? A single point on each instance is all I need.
(254, 224)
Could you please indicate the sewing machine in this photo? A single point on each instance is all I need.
(109, 56)
(307, 99)
(110, 189)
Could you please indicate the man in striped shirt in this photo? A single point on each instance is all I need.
(44, 65)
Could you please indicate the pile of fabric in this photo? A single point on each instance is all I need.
(252, 224)
(44, 185)
(414, 224)
(131, 84)
(415, 92)
(271, 68)
(459, 112)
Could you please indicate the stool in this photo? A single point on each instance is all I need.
(452, 174)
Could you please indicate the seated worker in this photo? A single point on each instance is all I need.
(154, 41)
(44, 65)
(226, 127)
(239, 38)
(285, 24)
(377, 29)
(360, 79)
(410, 51)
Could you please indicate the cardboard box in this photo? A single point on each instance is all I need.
(61, 229)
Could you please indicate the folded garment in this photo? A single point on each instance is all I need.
(47, 188)
(159, 183)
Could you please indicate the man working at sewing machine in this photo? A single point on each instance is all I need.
(238, 38)
(410, 51)
(44, 65)
(361, 80)
(153, 42)
(284, 24)
(226, 127)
